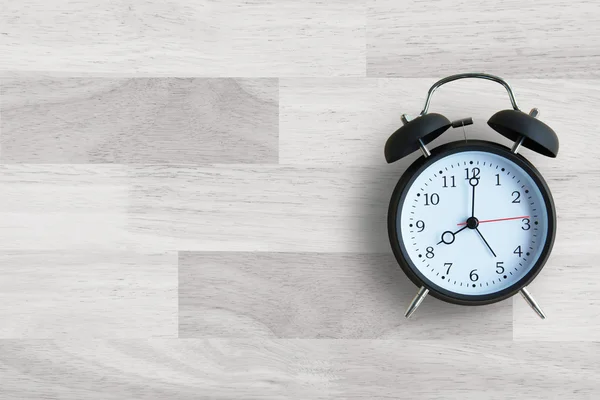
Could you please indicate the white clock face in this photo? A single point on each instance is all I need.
(473, 223)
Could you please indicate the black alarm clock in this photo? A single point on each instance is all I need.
(472, 222)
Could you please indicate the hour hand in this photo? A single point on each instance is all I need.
(448, 236)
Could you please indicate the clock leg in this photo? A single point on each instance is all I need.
(532, 303)
(416, 302)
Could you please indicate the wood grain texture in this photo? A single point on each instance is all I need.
(264, 208)
(296, 369)
(64, 207)
(157, 208)
(302, 208)
(259, 208)
(186, 121)
(347, 121)
(53, 294)
(184, 38)
(549, 38)
(295, 295)
(193, 199)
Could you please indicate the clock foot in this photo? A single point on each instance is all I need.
(416, 302)
(532, 303)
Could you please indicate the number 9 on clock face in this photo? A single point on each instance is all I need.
(474, 223)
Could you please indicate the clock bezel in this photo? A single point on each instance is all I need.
(399, 196)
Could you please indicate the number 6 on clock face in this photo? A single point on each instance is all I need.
(474, 223)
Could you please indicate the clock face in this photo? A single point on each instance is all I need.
(474, 222)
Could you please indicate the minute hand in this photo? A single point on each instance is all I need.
(485, 241)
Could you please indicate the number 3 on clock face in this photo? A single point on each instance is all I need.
(473, 223)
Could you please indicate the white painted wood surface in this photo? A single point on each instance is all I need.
(318, 295)
(231, 208)
(517, 39)
(193, 199)
(347, 120)
(171, 121)
(297, 369)
(183, 38)
(91, 294)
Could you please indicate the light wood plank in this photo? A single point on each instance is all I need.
(300, 208)
(550, 38)
(285, 369)
(347, 121)
(184, 38)
(275, 260)
(61, 207)
(229, 208)
(295, 295)
(186, 121)
(259, 208)
(53, 294)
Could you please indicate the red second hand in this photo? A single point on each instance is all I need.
(497, 220)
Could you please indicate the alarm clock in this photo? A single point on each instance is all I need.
(472, 222)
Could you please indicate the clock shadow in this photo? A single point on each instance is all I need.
(434, 319)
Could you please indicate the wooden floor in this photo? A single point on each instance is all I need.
(193, 199)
